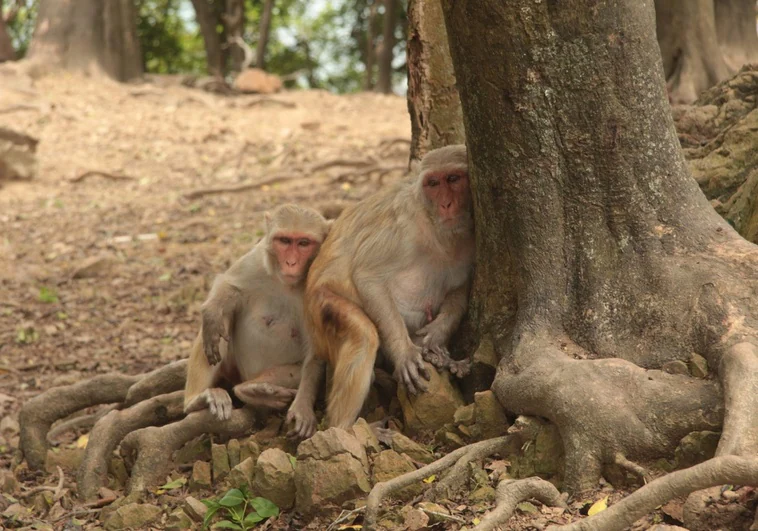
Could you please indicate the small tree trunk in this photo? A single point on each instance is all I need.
(692, 59)
(384, 79)
(206, 19)
(7, 52)
(736, 31)
(368, 82)
(97, 37)
(234, 21)
(433, 102)
(263, 34)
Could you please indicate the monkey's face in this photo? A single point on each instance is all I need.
(294, 252)
(448, 195)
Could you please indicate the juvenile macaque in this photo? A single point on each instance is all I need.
(394, 274)
(252, 335)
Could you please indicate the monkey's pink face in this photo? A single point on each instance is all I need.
(449, 193)
(294, 252)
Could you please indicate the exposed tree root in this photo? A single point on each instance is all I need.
(113, 427)
(39, 413)
(94, 173)
(77, 423)
(739, 377)
(151, 448)
(512, 492)
(166, 379)
(632, 467)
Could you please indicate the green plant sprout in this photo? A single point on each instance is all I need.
(242, 512)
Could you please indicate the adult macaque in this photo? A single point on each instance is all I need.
(253, 336)
(396, 265)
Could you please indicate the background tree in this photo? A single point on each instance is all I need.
(736, 32)
(599, 261)
(263, 34)
(234, 22)
(7, 51)
(208, 22)
(89, 36)
(387, 48)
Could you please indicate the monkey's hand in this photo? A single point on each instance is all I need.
(435, 336)
(215, 327)
(304, 419)
(219, 402)
(410, 370)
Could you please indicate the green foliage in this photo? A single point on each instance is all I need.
(21, 26)
(47, 295)
(240, 509)
(168, 45)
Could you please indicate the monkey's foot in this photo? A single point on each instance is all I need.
(411, 371)
(304, 418)
(215, 399)
(264, 395)
(440, 358)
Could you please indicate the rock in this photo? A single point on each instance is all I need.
(409, 447)
(482, 494)
(414, 519)
(330, 443)
(483, 368)
(197, 449)
(118, 475)
(16, 511)
(450, 439)
(698, 366)
(675, 367)
(465, 415)
(132, 516)
(42, 502)
(178, 520)
(9, 426)
(366, 437)
(275, 478)
(194, 508)
(490, 415)
(435, 407)
(249, 448)
(93, 266)
(333, 481)
(234, 449)
(527, 508)
(255, 80)
(390, 464)
(542, 456)
(68, 459)
(433, 510)
(201, 476)
(664, 527)
(695, 448)
(243, 473)
(18, 159)
(220, 461)
(8, 482)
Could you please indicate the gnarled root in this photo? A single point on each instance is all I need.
(153, 446)
(39, 413)
(113, 427)
(167, 379)
(80, 422)
(512, 492)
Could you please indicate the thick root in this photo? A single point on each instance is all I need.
(512, 492)
(111, 429)
(153, 446)
(161, 381)
(39, 413)
(738, 372)
(81, 422)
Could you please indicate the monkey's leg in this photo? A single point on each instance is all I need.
(301, 412)
(199, 393)
(274, 388)
(353, 354)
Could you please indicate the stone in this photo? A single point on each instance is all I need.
(333, 481)
(9, 426)
(366, 437)
(275, 478)
(490, 415)
(249, 448)
(542, 455)
(194, 508)
(178, 519)
(482, 494)
(42, 501)
(465, 415)
(132, 516)
(388, 465)
(695, 448)
(201, 476)
(414, 519)
(93, 266)
(16, 511)
(255, 80)
(68, 459)
(433, 511)
(18, 160)
(698, 366)
(451, 439)
(8, 482)
(220, 461)
(330, 443)
(675, 367)
(243, 473)
(409, 447)
(435, 407)
(197, 449)
(234, 450)
(527, 508)
(118, 476)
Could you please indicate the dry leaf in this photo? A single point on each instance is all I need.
(430, 479)
(82, 441)
(598, 506)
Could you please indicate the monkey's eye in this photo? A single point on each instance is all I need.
(452, 178)
(432, 183)
(285, 240)
(304, 242)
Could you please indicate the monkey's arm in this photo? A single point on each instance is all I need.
(301, 411)
(217, 315)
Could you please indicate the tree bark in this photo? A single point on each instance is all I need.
(7, 52)
(206, 19)
(384, 77)
(234, 21)
(368, 82)
(736, 32)
(263, 34)
(692, 59)
(95, 37)
(433, 101)
(599, 260)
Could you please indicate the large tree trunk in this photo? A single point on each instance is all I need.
(206, 19)
(263, 34)
(384, 77)
(7, 52)
(368, 80)
(736, 32)
(234, 22)
(599, 260)
(692, 59)
(433, 101)
(90, 36)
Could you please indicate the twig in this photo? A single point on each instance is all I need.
(265, 99)
(355, 163)
(366, 172)
(443, 516)
(57, 490)
(20, 107)
(74, 514)
(345, 516)
(91, 173)
(277, 178)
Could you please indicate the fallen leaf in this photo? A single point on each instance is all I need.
(82, 441)
(430, 479)
(475, 521)
(598, 506)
